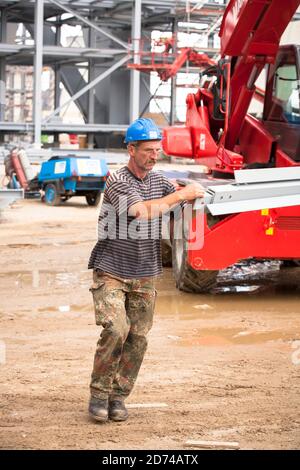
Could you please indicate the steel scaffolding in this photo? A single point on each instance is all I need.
(111, 96)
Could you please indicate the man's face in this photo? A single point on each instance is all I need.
(145, 154)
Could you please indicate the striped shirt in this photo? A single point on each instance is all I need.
(129, 247)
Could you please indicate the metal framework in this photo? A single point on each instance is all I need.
(112, 96)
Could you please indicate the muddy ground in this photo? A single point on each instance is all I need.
(218, 367)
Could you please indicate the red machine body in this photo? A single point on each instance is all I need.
(266, 234)
(220, 134)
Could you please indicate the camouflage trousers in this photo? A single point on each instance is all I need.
(124, 308)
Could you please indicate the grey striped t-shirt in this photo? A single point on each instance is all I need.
(128, 247)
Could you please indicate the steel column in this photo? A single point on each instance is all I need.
(57, 91)
(57, 74)
(91, 98)
(135, 75)
(2, 66)
(38, 69)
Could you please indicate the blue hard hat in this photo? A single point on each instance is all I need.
(142, 129)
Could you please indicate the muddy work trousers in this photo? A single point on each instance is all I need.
(124, 308)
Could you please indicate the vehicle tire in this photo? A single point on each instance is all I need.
(93, 199)
(52, 197)
(166, 254)
(189, 279)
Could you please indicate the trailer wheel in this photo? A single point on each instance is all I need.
(93, 199)
(189, 279)
(52, 197)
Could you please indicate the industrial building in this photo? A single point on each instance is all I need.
(72, 56)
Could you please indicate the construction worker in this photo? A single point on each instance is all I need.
(125, 262)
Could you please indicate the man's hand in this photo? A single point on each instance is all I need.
(156, 207)
(191, 192)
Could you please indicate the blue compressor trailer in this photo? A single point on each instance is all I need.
(64, 177)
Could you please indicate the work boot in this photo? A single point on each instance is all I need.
(98, 409)
(117, 410)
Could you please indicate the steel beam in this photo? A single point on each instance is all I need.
(3, 35)
(90, 23)
(57, 91)
(6, 126)
(134, 74)
(91, 97)
(90, 85)
(60, 51)
(264, 175)
(255, 190)
(38, 69)
(57, 73)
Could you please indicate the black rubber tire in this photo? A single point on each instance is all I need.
(166, 254)
(189, 279)
(52, 196)
(93, 199)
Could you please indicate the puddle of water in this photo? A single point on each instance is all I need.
(182, 306)
(66, 309)
(233, 336)
(45, 278)
(171, 302)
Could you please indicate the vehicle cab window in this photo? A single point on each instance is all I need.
(286, 92)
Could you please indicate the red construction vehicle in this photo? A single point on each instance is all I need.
(220, 134)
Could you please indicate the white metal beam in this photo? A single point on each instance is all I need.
(253, 190)
(264, 175)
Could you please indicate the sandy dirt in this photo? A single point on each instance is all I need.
(218, 367)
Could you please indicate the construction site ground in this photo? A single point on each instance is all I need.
(221, 367)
